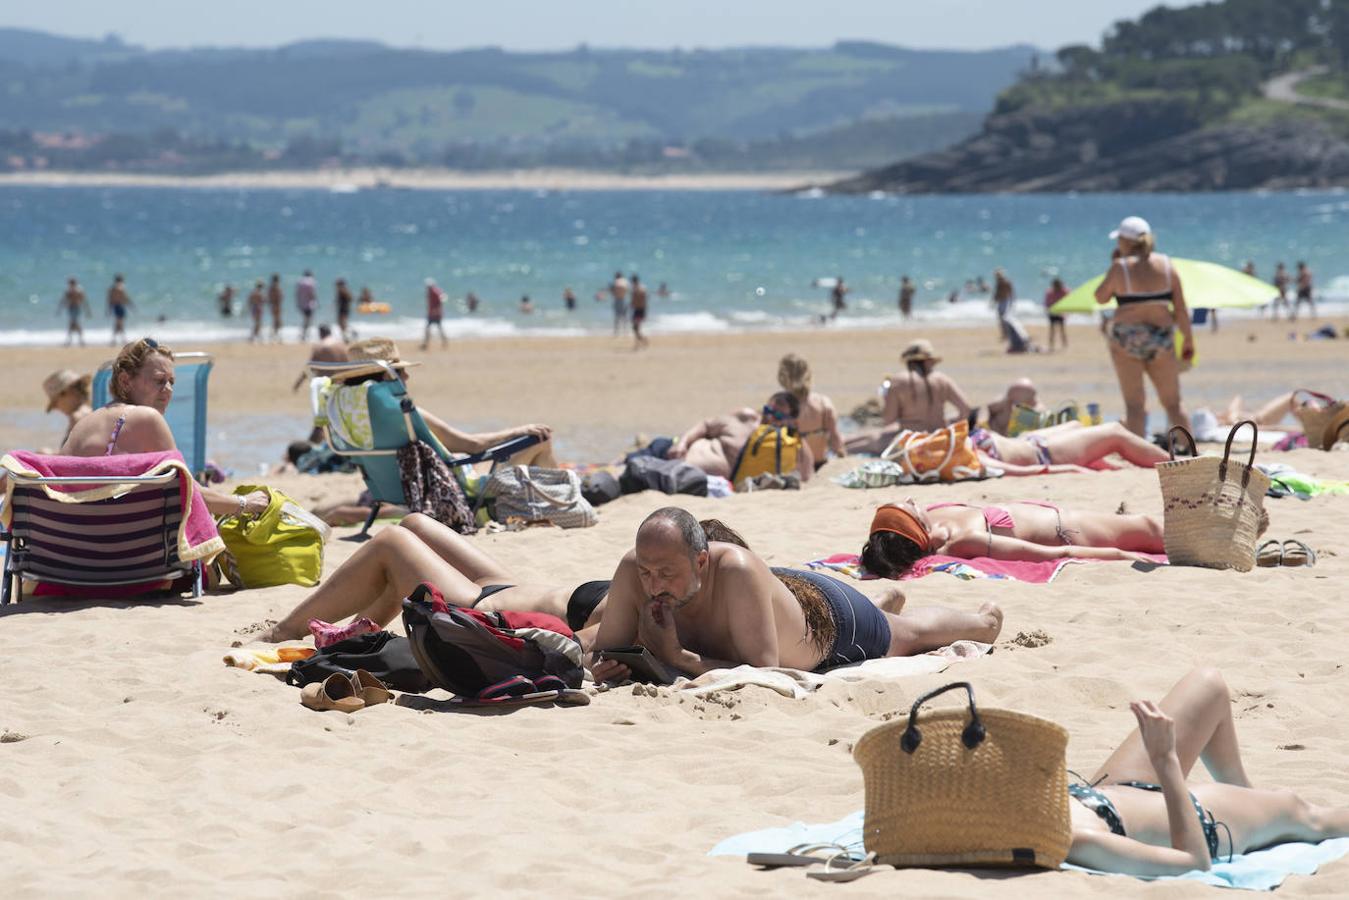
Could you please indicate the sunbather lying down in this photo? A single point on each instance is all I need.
(1070, 447)
(1138, 816)
(1025, 530)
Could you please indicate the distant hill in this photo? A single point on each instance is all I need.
(1199, 98)
(364, 99)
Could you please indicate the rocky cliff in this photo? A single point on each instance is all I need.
(1134, 145)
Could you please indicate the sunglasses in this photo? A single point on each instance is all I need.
(151, 343)
(777, 415)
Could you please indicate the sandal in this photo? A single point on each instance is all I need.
(1269, 554)
(849, 870)
(369, 688)
(334, 692)
(1298, 554)
(800, 855)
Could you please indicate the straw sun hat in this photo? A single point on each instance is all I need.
(920, 350)
(57, 383)
(377, 348)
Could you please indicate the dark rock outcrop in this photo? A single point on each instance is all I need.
(1157, 145)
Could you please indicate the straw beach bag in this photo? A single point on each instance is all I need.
(965, 787)
(1212, 507)
(1323, 418)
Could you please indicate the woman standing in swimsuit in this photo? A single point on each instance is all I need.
(142, 386)
(1150, 306)
(817, 421)
(1023, 530)
(1139, 817)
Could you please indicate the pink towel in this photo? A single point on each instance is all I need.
(197, 536)
(965, 569)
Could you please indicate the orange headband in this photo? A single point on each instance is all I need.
(901, 522)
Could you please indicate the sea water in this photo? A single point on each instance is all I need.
(731, 259)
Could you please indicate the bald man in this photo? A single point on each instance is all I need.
(698, 605)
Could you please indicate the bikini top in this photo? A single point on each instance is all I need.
(1129, 297)
(116, 430)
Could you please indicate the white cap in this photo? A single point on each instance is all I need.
(1131, 229)
(430, 281)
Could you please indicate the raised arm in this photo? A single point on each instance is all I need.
(831, 424)
(457, 441)
(697, 432)
(1105, 291)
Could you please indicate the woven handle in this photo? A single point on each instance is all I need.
(971, 737)
(1227, 451)
(1171, 440)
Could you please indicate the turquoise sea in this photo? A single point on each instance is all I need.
(733, 260)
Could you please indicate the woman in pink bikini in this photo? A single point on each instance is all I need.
(142, 386)
(1023, 530)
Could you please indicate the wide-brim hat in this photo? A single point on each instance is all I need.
(57, 383)
(377, 348)
(920, 350)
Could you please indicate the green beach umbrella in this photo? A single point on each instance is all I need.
(1207, 286)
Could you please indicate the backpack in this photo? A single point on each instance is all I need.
(771, 448)
(386, 656)
(473, 652)
(670, 476)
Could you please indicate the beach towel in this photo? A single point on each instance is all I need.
(1041, 572)
(1260, 870)
(348, 413)
(197, 535)
(797, 684)
(268, 659)
(1285, 481)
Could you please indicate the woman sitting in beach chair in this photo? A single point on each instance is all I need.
(1025, 530)
(1138, 816)
(1070, 447)
(142, 386)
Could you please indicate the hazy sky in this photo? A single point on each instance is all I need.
(554, 24)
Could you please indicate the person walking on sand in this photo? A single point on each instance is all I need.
(1281, 281)
(618, 290)
(257, 301)
(119, 301)
(306, 301)
(1057, 291)
(1304, 291)
(275, 297)
(906, 292)
(75, 305)
(1150, 307)
(638, 312)
(435, 311)
(344, 300)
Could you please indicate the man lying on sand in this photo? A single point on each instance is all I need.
(698, 605)
(715, 444)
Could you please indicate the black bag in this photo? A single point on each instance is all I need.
(386, 656)
(600, 487)
(670, 476)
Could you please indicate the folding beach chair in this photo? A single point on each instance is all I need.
(394, 422)
(187, 413)
(126, 540)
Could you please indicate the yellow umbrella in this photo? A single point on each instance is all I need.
(1207, 286)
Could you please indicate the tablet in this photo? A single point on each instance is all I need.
(641, 664)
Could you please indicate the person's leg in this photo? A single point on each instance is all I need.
(387, 568)
(1084, 446)
(1201, 706)
(449, 545)
(426, 337)
(929, 627)
(1164, 372)
(541, 455)
(1129, 371)
(1259, 818)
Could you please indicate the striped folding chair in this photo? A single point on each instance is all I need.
(117, 542)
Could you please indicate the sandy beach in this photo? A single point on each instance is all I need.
(134, 760)
(435, 180)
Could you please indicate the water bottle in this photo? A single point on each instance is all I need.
(1094, 413)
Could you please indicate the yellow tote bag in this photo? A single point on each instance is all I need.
(282, 545)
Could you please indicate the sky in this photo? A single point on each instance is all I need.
(562, 24)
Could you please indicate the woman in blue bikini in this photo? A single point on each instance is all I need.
(1138, 816)
(1150, 306)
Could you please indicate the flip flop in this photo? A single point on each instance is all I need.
(1298, 554)
(849, 869)
(1269, 554)
(800, 855)
(369, 688)
(334, 692)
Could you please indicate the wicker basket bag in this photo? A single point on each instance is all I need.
(1324, 419)
(965, 787)
(1212, 507)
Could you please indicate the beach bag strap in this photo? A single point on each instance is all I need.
(1171, 441)
(537, 494)
(1318, 400)
(971, 737)
(1227, 451)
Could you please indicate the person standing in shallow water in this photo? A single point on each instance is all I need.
(618, 290)
(275, 297)
(435, 311)
(119, 301)
(344, 300)
(906, 292)
(75, 306)
(306, 301)
(256, 301)
(638, 312)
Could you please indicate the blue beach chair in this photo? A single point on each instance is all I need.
(394, 423)
(187, 412)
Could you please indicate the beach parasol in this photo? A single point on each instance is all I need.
(1207, 286)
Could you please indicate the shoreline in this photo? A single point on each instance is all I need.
(371, 178)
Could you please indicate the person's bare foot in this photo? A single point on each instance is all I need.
(991, 614)
(892, 601)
